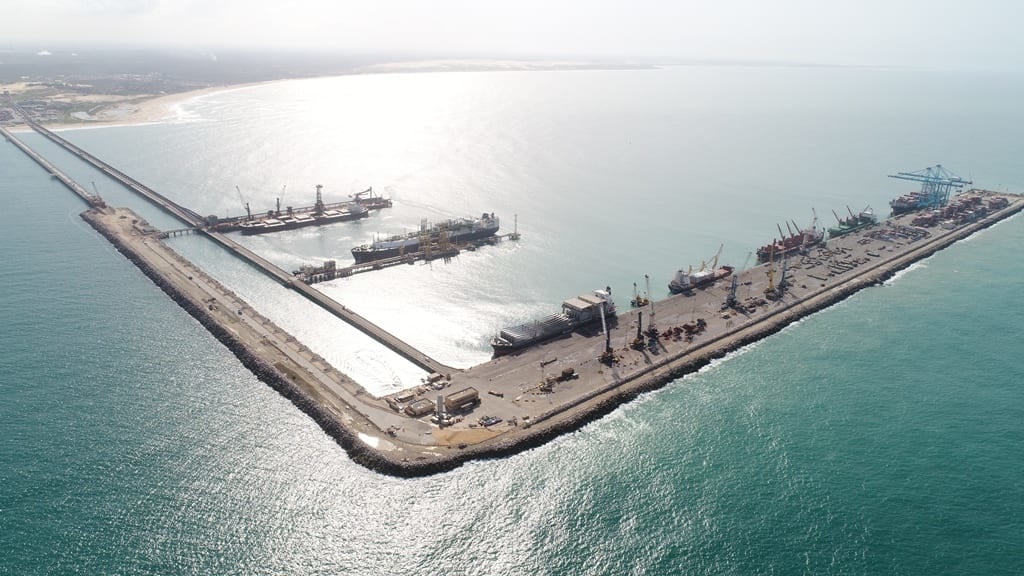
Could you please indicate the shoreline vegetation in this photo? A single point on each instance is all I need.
(72, 105)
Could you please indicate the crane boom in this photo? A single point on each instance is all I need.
(245, 204)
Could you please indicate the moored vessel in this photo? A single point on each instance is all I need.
(908, 203)
(320, 215)
(451, 231)
(862, 219)
(576, 312)
(686, 282)
(794, 243)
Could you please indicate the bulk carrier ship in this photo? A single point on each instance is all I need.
(320, 214)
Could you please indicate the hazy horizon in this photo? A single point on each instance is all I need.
(914, 33)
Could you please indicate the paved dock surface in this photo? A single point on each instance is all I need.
(511, 387)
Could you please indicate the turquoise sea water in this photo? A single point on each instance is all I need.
(881, 436)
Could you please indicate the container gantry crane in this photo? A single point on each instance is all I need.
(936, 184)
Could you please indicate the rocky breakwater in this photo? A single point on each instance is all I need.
(134, 239)
(347, 417)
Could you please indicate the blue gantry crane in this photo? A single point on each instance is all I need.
(936, 185)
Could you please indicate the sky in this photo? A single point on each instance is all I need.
(980, 34)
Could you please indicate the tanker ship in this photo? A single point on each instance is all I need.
(454, 231)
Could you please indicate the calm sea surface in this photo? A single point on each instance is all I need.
(881, 436)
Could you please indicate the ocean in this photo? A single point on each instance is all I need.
(880, 436)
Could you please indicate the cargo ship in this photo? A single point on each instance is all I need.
(863, 219)
(576, 312)
(794, 243)
(687, 282)
(319, 216)
(452, 231)
(909, 203)
(936, 185)
(354, 211)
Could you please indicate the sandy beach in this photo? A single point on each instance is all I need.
(118, 110)
(82, 109)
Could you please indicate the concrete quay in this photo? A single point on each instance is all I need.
(511, 387)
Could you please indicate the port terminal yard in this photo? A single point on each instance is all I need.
(521, 400)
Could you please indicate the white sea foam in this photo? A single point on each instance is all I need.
(905, 271)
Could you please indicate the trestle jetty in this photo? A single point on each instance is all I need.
(525, 398)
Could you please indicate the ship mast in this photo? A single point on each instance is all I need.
(318, 208)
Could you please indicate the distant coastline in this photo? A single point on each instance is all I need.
(98, 109)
